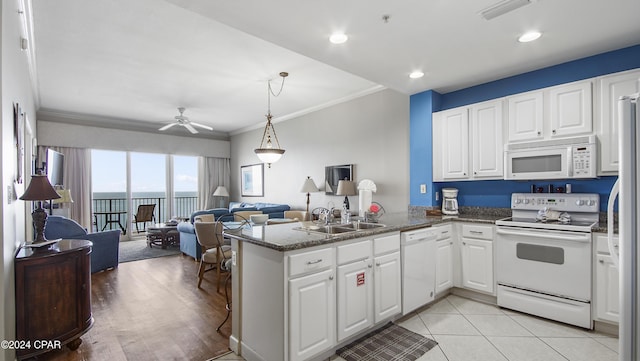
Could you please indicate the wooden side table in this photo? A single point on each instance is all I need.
(53, 296)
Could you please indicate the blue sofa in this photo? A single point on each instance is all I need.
(106, 245)
(188, 241)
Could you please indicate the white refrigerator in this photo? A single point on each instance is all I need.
(629, 226)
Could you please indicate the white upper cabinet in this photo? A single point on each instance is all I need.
(570, 108)
(486, 139)
(555, 112)
(525, 116)
(610, 89)
(468, 142)
(451, 128)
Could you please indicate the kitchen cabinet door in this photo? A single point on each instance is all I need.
(570, 109)
(387, 290)
(355, 298)
(453, 125)
(312, 314)
(525, 116)
(486, 140)
(444, 265)
(607, 289)
(477, 264)
(610, 89)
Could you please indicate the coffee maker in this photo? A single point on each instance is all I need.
(449, 201)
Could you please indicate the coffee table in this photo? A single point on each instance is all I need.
(163, 235)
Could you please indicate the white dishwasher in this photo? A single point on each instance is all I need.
(418, 268)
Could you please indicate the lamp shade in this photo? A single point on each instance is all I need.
(221, 191)
(39, 189)
(346, 188)
(309, 186)
(65, 196)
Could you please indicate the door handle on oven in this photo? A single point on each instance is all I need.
(584, 238)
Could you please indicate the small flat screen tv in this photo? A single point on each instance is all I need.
(55, 167)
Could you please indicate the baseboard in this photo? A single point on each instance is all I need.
(234, 344)
(605, 327)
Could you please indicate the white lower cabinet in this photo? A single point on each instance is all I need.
(477, 258)
(444, 265)
(312, 314)
(355, 288)
(388, 293)
(607, 283)
(312, 310)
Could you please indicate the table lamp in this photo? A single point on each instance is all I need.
(39, 190)
(346, 188)
(221, 191)
(308, 187)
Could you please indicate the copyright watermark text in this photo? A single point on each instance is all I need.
(28, 344)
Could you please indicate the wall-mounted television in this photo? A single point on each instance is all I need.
(55, 167)
(335, 173)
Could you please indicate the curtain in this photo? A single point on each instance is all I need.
(77, 179)
(213, 172)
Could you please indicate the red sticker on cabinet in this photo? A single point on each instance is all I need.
(360, 279)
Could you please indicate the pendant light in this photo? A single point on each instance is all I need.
(268, 152)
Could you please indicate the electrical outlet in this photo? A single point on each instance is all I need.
(437, 196)
(234, 258)
(423, 188)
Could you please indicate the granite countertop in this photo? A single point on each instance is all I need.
(288, 236)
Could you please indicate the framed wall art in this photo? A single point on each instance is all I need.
(252, 180)
(18, 136)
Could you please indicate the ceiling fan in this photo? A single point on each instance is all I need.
(185, 122)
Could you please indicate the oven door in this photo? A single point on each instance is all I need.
(538, 163)
(552, 262)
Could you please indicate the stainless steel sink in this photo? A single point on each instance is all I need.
(362, 225)
(339, 228)
(328, 229)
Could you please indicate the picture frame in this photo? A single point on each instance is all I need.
(18, 136)
(252, 180)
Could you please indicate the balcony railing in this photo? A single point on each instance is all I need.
(184, 206)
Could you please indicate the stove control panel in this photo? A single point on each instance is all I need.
(566, 202)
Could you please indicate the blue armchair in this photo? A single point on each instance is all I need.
(106, 245)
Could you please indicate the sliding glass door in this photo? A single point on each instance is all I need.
(122, 181)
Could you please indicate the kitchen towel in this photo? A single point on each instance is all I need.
(391, 342)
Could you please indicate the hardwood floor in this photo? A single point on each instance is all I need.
(152, 310)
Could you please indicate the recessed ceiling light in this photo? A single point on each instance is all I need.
(416, 74)
(529, 36)
(338, 38)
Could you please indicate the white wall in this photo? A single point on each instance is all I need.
(371, 132)
(78, 136)
(16, 88)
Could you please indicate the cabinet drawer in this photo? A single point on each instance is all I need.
(310, 261)
(480, 232)
(353, 252)
(442, 232)
(385, 244)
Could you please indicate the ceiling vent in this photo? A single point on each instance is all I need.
(502, 8)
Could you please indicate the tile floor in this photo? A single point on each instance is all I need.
(467, 330)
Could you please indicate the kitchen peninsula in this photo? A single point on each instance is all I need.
(288, 300)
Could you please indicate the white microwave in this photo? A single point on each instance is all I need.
(569, 158)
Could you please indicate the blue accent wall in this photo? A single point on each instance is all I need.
(497, 193)
(420, 149)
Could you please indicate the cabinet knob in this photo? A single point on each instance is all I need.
(464, 173)
(539, 133)
(464, 243)
(370, 265)
(601, 260)
(331, 278)
(378, 264)
(553, 131)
